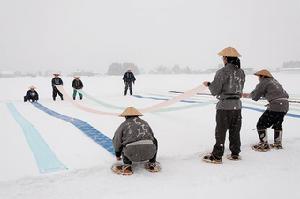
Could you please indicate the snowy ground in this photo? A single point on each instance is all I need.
(184, 134)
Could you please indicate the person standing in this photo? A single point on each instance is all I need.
(128, 80)
(31, 95)
(135, 142)
(270, 89)
(56, 80)
(77, 84)
(227, 86)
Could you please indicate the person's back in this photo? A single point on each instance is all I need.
(278, 106)
(228, 85)
(135, 129)
(273, 91)
(135, 141)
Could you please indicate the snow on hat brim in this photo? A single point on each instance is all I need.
(263, 72)
(229, 52)
(131, 111)
(32, 87)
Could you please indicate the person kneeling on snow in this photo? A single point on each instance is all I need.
(31, 95)
(278, 106)
(135, 141)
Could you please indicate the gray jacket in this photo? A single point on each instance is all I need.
(134, 138)
(272, 90)
(228, 84)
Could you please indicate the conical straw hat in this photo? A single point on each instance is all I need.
(130, 111)
(263, 72)
(32, 87)
(229, 52)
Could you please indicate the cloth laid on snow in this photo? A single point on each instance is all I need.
(86, 128)
(45, 158)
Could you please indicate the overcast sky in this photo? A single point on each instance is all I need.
(91, 34)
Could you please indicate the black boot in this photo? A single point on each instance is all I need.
(263, 145)
(277, 140)
(210, 158)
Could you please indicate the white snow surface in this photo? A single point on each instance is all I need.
(184, 136)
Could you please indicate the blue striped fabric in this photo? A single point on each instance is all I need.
(192, 101)
(86, 128)
(45, 158)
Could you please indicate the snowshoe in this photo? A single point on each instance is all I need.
(125, 170)
(210, 158)
(261, 147)
(276, 146)
(234, 157)
(153, 167)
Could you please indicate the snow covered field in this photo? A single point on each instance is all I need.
(185, 131)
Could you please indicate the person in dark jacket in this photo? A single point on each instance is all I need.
(128, 80)
(31, 95)
(77, 84)
(270, 89)
(56, 80)
(134, 141)
(228, 86)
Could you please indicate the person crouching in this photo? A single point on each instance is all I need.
(31, 95)
(134, 141)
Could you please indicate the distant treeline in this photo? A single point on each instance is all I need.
(291, 64)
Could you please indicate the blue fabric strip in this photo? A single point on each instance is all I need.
(45, 158)
(192, 101)
(86, 128)
(262, 110)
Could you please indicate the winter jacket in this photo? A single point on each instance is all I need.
(134, 138)
(228, 85)
(128, 77)
(272, 90)
(77, 84)
(56, 81)
(31, 95)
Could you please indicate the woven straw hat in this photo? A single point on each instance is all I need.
(32, 87)
(131, 111)
(263, 72)
(229, 52)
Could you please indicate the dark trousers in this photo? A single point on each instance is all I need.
(270, 118)
(128, 85)
(152, 160)
(55, 91)
(227, 120)
(29, 98)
